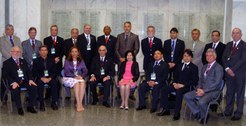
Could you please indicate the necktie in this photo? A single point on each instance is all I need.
(106, 39)
(184, 66)
(17, 62)
(172, 45)
(234, 48)
(172, 51)
(33, 45)
(150, 43)
(54, 41)
(208, 68)
(214, 45)
(156, 63)
(12, 41)
(126, 38)
(87, 39)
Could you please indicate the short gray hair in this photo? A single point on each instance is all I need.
(210, 50)
(9, 26)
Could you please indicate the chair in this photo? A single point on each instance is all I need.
(63, 94)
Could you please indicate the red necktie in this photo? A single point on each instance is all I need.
(234, 48)
(150, 43)
(54, 41)
(106, 40)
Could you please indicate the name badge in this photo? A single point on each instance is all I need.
(88, 47)
(20, 73)
(153, 76)
(46, 73)
(102, 71)
(228, 58)
(53, 50)
(34, 56)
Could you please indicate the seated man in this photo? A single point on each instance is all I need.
(18, 75)
(185, 76)
(44, 70)
(156, 78)
(102, 71)
(208, 87)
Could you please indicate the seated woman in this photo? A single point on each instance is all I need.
(74, 73)
(128, 75)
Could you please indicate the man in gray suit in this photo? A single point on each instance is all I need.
(197, 48)
(234, 61)
(208, 87)
(7, 41)
(126, 41)
(31, 47)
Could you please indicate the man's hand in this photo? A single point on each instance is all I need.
(32, 83)
(57, 59)
(171, 65)
(93, 78)
(105, 78)
(230, 72)
(122, 60)
(15, 85)
(200, 92)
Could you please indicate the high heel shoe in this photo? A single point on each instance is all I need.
(126, 108)
(121, 107)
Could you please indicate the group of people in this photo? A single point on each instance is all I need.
(194, 70)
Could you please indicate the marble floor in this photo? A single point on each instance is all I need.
(98, 115)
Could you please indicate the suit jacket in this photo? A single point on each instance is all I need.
(236, 62)
(40, 64)
(28, 51)
(149, 52)
(134, 70)
(161, 70)
(107, 65)
(10, 71)
(212, 81)
(188, 77)
(69, 69)
(110, 46)
(58, 50)
(122, 47)
(82, 45)
(197, 53)
(219, 51)
(68, 44)
(5, 45)
(178, 52)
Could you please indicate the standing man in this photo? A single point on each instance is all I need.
(197, 48)
(109, 41)
(149, 45)
(217, 45)
(55, 51)
(31, 47)
(7, 41)
(87, 45)
(126, 41)
(234, 60)
(68, 43)
(173, 51)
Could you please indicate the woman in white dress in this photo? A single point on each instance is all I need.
(75, 72)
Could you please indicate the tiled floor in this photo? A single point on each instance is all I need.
(101, 116)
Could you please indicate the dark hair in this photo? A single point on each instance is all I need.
(189, 52)
(70, 58)
(158, 50)
(216, 31)
(128, 22)
(43, 46)
(32, 28)
(174, 30)
(133, 55)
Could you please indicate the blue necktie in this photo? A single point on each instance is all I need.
(11, 40)
(172, 51)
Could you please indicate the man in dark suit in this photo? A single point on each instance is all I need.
(149, 45)
(55, 51)
(109, 41)
(218, 46)
(208, 88)
(234, 60)
(102, 71)
(68, 43)
(156, 78)
(184, 78)
(17, 74)
(87, 45)
(44, 70)
(173, 51)
(126, 41)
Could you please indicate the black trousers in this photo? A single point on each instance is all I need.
(53, 90)
(32, 92)
(106, 89)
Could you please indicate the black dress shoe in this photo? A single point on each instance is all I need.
(54, 106)
(106, 104)
(235, 118)
(202, 121)
(42, 108)
(20, 111)
(4, 103)
(140, 108)
(222, 115)
(196, 116)
(163, 113)
(31, 110)
(68, 98)
(176, 116)
(94, 101)
(152, 110)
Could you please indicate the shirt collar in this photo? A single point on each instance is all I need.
(237, 42)
(211, 64)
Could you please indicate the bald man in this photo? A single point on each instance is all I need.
(234, 61)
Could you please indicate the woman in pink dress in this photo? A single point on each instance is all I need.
(128, 76)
